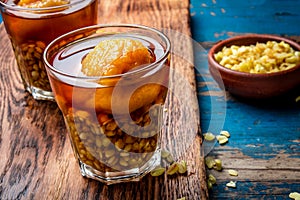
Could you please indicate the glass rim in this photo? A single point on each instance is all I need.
(15, 7)
(99, 26)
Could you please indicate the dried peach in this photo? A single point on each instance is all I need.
(115, 56)
(118, 56)
(42, 3)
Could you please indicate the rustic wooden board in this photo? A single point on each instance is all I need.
(37, 161)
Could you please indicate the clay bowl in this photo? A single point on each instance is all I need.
(249, 85)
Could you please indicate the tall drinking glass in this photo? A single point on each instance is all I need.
(114, 121)
(32, 26)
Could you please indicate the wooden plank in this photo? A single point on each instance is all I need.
(37, 161)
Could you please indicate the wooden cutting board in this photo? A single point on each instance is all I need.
(37, 161)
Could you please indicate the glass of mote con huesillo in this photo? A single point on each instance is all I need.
(111, 82)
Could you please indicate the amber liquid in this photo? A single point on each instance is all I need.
(31, 32)
(98, 138)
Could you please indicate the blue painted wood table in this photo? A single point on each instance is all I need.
(36, 156)
(264, 146)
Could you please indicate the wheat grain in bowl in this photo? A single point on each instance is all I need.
(268, 57)
(256, 65)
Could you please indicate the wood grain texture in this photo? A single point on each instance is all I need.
(37, 161)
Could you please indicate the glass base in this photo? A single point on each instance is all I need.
(109, 178)
(39, 94)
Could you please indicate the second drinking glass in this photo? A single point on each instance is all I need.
(32, 25)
